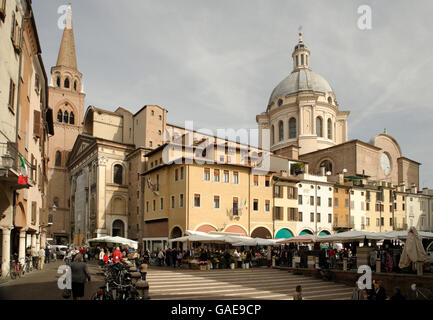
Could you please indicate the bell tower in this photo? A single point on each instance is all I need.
(66, 98)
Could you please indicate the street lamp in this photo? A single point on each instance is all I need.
(7, 160)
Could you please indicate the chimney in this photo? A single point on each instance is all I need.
(414, 188)
(341, 178)
(284, 173)
(402, 187)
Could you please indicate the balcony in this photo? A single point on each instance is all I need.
(9, 165)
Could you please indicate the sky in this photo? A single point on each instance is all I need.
(217, 62)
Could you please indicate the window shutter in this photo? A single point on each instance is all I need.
(295, 193)
(37, 123)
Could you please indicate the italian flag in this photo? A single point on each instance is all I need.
(23, 178)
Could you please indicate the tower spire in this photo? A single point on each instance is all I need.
(301, 54)
(67, 56)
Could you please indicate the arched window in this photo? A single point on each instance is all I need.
(292, 128)
(71, 118)
(56, 202)
(319, 127)
(273, 134)
(75, 85)
(58, 159)
(280, 131)
(329, 100)
(329, 129)
(66, 83)
(65, 117)
(59, 116)
(58, 81)
(327, 165)
(118, 174)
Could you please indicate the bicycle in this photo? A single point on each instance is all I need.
(16, 269)
(28, 267)
(426, 295)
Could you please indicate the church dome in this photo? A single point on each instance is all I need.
(302, 79)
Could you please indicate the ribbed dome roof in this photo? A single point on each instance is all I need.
(301, 80)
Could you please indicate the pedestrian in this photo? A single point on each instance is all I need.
(298, 293)
(47, 255)
(397, 296)
(380, 291)
(332, 258)
(358, 294)
(179, 258)
(35, 257)
(79, 275)
(117, 255)
(41, 258)
(160, 257)
(106, 258)
(68, 257)
(237, 258)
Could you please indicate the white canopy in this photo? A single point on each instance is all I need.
(305, 238)
(120, 240)
(221, 237)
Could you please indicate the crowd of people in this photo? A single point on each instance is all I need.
(40, 257)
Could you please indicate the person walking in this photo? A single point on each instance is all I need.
(79, 275)
(47, 255)
(41, 258)
(35, 257)
(106, 258)
(68, 257)
(298, 293)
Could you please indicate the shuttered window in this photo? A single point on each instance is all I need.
(37, 123)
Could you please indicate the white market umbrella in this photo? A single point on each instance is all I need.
(120, 240)
(305, 238)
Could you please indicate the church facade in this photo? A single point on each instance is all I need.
(305, 121)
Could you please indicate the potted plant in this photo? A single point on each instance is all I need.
(203, 265)
(298, 168)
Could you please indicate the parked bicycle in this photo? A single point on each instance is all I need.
(28, 267)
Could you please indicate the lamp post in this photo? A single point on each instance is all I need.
(7, 160)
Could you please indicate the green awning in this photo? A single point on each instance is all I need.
(305, 232)
(284, 234)
(324, 233)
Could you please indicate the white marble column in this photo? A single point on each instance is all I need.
(22, 247)
(6, 250)
(38, 241)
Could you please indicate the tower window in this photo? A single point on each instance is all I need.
(75, 85)
(329, 100)
(297, 60)
(280, 131)
(58, 81)
(302, 59)
(59, 116)
(319, 127)
(292, 128)
(118, 174)
(58, 159)
(71, 118)
(66, 117)
(329, 129)
(280, 102)
(67, 83)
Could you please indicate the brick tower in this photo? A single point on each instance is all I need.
(66, 98)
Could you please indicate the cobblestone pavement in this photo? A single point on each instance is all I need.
(42, 284)
(256, 283)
